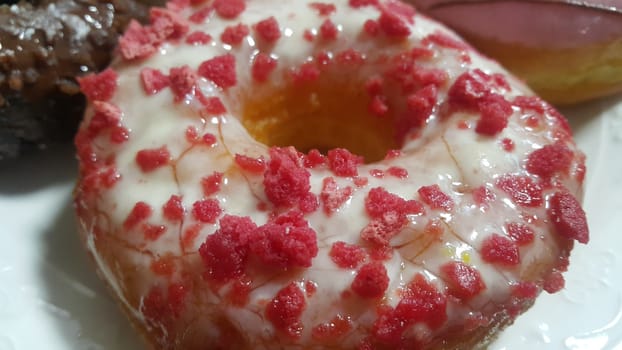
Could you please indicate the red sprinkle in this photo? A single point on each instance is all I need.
(314, 159)
(568, 217)
(153, 80)
(483, 195)
(333, 197)
(500, 250)
(140, 212)
(550, 160)
(464, 282)
(153, 232)
(392, 25)
(229, 9)
(434, 197)
(262, 67)
(225, 252)
(362, 3)
(285, 242)
(332, 330)
(343, 163)
(199, 16)
(507, 144)
(346, 256)
(220, 70)
(522, 189)
(137, 41)
(163, 266)
(371, 281)
(166, 24)
(211, 184)
(444, 40)
(183, 82)
(468, 90)
(268, 29)
(371, 27)
(233, 35)
(106, 116)
(240, 290)
(398, 172)
(307, 72)
(252, 165)
(206, 210)
(554, 282)
(173, 209)
(286, 181)
(422, 302)
(495, 111)
(285, 309)
(520, 233)
(213, 105)
(198, 38)
(328, 30)
(150, 159)
(525, 290)
(100, 86)
(209, 139)
(323, 8)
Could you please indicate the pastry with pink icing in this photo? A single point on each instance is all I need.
(568, 51)
(296, 175)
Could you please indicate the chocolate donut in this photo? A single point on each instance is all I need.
(44, 45)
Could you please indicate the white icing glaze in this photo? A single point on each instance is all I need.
(440, 155)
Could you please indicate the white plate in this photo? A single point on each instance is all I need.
(50, 296)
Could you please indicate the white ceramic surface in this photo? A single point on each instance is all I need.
(50, 297)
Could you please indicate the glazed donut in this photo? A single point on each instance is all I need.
(296, 175)
(44, 46)
(567, 51)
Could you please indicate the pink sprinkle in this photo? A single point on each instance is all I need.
(183, 82)
(371, 27)
(229, 9)
(220, 70)
(198, 38)
(100, 86)
(465, 282)
(444, 40)
(206, 210)
(343, 163)
(173, 209)
(495, 111)
(392, 25)
(398, 172)
(346, 256)
(211, 184)
(333, 197)
(153, 80)
(434, 197)
(140, 212)
(501, 250)
(328, 30)
(213, 105)
(150, 159)
(268, 29)
(233, 35)
(252, 165)
(521, 234)
(371, 281)
(286, 181)
(568, 217)
(522, 189)
(262, 67)
(323, 9)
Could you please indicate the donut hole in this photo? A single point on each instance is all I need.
(324, 114)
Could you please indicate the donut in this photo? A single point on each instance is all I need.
(302, 175)
(565, 61)
(45, 46)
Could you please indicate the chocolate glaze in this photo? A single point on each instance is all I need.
(44, 45)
